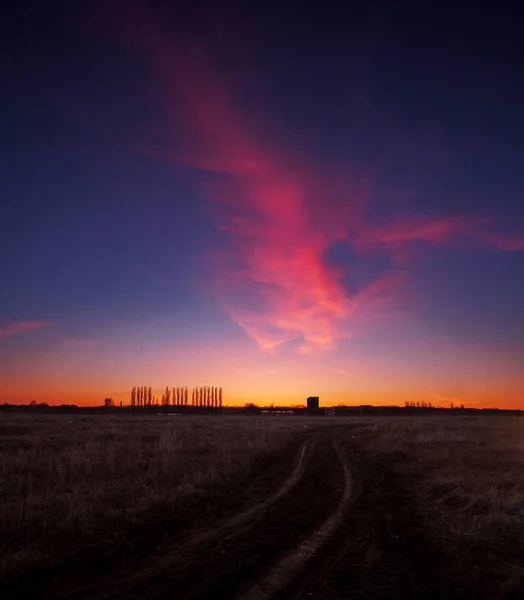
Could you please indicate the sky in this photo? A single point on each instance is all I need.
(282, 199)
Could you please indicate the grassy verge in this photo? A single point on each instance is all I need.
(68, 484)
(468, 481)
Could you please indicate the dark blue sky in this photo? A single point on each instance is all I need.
(273, 179)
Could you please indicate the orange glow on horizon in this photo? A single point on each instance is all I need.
(284, 274)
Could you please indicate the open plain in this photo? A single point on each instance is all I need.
(110, 507)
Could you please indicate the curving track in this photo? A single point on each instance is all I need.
(338, 524)
(285, 570)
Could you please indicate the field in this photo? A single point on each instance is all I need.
(261, 507)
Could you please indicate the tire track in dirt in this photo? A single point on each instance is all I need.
(160, 563)
(228, 566)
(283, 572)
(255, 511)
(379, 551)
(341, 524)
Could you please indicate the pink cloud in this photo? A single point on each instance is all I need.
(278, 211)
(407, 228)
(22, 326)
(500, 242)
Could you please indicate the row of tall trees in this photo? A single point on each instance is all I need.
(207, 397)
(178, 396)
(423, 404)
(142, 396)
(418, 404)
(201, 397)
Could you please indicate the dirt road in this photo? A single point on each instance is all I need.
(324, 521)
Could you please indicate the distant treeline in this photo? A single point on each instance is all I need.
(203, 397)
(109, 407)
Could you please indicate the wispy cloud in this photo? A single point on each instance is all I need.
(280, 213)
(22, 326)
(342, 372)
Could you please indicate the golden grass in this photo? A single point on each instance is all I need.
(469, 486)
(70, 477)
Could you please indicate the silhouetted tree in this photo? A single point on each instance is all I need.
(109, 402)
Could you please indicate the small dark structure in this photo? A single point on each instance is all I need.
(313, 403)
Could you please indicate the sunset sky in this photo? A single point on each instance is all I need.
(281, 200)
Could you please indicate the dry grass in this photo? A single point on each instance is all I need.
(70, 478)
(470, 489)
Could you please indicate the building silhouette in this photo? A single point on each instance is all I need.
(313, 402)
